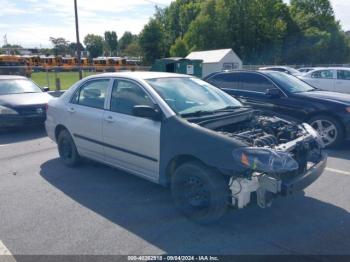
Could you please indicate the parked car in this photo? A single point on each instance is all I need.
(179, 131)
(332, 79)
(287, 96)
(304, 70)
(22, 102)
(284, 69)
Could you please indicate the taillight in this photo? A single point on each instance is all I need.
(46, 107)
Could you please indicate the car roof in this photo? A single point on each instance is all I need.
(259, 72)
(332, 68)
(138, 75)
(9, 77)
(328, 68)
(284, 67)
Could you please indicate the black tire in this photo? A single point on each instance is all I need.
(200, 193)
(67, 150)
(338, 133)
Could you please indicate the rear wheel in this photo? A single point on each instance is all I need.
(199, 192)
(329, 129)
(67, 149)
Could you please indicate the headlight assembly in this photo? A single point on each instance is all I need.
(265, 160)
(7, 111)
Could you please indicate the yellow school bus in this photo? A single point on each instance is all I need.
(14, 65)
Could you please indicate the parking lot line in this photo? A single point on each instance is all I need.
(4, 250)
(338, 171)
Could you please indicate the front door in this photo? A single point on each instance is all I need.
(342, 83)
(131, 142)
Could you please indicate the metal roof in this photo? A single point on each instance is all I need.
(211, 56)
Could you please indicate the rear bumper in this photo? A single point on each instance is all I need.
(18, 121)
(301, 182)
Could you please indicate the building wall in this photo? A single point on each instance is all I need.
(230, 62)
(209, 68)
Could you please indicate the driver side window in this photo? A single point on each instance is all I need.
(126, 95)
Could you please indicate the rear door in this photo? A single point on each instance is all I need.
(323, 79)
(342, 83)
(249, 88)
(85, 115)
(131, 142)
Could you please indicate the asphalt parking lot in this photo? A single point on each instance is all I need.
(47, 208)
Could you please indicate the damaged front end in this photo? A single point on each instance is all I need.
(279, 158)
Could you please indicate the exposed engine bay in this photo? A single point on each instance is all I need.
(263, 131)
(276, 154)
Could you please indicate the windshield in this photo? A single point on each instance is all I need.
(18, 86)
(290, 83)
(189, 95)
(293, 71)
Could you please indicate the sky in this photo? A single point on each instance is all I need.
(31, 23)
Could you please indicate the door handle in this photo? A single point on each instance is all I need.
(110, 119)
(71, 110)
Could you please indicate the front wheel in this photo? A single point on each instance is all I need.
(67, 149)
(329, 129)
(202, 194)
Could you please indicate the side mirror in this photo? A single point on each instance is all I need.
(46, 89)
(146, 112)
(273, 93)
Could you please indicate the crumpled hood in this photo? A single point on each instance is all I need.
(328, 96)
(15, 100)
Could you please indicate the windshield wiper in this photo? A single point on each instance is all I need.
(227, 108)
(197, 113)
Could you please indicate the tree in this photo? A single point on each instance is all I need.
(111, 42)
(152, 41)
(259, 31)
(179, 48)
(126, 40)
(94, 44)
(11, 49)
(61, 45)
(176, 19)
(321, 34)
(133, 50)
(73, 47)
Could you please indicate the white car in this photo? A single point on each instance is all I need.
(304, 70)
(331, 79)
(285, 69)
(179, 131)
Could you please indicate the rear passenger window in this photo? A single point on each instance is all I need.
(256, 83)
(126, 95)
(227, 80)
(325, 74)
(343, 75)
(92, 94)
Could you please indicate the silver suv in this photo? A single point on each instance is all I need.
(182, 132)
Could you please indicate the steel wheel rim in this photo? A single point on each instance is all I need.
(327, 130)
(196, 193)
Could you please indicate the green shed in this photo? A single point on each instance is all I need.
(178, 65)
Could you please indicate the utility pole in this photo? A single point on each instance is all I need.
(78, 41)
